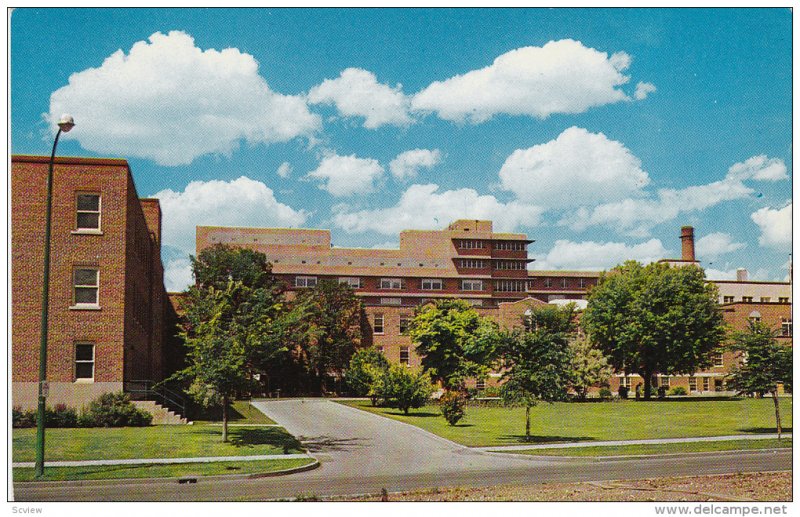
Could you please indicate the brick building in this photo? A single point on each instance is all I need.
(107, 298)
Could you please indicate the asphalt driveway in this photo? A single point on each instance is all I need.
(348, 440)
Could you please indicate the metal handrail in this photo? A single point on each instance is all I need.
(167, 396)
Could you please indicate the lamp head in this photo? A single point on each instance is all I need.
(66, 123)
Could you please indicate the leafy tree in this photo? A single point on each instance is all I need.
(331, 325)
(365, 366)
(404, 389)
(765, 364)
(537, 361)
(234, 323)
(589, 366)
(453, 406)
(654, 319)
(454, 341)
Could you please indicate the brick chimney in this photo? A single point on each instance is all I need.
(687, 243)
(741, 275)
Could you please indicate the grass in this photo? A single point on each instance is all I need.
(239, 412)
(621, 420)
(661, 448)
(158, 471)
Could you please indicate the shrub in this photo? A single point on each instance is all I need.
(491, 391)
(365, 365)
(662, 392)
(404, 389)
(20, 418)
(605, 394)
(114, 410)
(623, 392)
(61, 416)
(677, 390)
(453, 406)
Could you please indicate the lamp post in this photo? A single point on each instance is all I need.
(64, 125)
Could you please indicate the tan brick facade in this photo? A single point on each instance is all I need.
(125, 326)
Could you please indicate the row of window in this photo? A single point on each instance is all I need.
(665, 382)
(438, 284)
(471, 244)
(749, 299)
(378, 323)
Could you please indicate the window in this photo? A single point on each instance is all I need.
(510, 264)
(625, 381)
(305, 281)
(472, 285)
(717, 359)
(786, 327)
(404, 355)
(352, 281)
(475, 302)
(391, 283)
(665, 381)
(765, 299)
(472, 264)
(507, 286)
(727, 299)
(87, 208)
(692, 383)
(747, 299)
(432, 284)
(391, 301)
(509, 245)
(783, 300)
(377, 324)
(706, 384)
(754, 317)
(470, 245)
(548, 282)
(86, 283)
(84, 362)
(563, 283)
(405, 319)
(582, 283)
(480, 384)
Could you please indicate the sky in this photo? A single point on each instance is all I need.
(597, 132)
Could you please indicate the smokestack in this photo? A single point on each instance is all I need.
(741, 275)
(687, 243)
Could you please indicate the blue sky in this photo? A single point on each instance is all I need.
(598, 132)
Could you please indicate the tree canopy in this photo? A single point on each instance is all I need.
(655, 319)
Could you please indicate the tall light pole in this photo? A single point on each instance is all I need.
(64, 125)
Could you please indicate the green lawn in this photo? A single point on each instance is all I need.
(155, 471)
(664, 448)
(239, 412)
(620, 420)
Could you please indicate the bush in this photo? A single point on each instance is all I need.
(605, 394)
(453, 406)
(623, 392)
(365, 365)
(403, 389)
(662, 392)
(677, 390)
(61, 416)
(114, 410)
(491, 391)
(20, 418)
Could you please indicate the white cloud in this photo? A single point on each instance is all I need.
(643, 90)
(240, 202)
(775, 225)
(169, 101)
(423, 207)
(357, 93)
(388, 245)
(576, 168)
(408, 164)
(711, 246)
(178, 274)
(592, 256)
(720, 274)
(284, 170)
(560, 77)
(347, 175)
(759, 168)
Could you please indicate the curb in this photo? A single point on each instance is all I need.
(600, 459)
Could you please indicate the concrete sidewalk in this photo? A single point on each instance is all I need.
(528, 447)
(148, 461)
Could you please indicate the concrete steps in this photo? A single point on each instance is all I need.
(161, 415)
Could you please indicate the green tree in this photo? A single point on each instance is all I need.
(589, 366)
(404, 389)
(454, 341)
(366, 365)
(234, 322)
(537, 360)
(654, 319)
(765, 363)
(331, 328)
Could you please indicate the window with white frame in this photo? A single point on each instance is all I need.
(747, 299)
(706, 384)
(377, 324)
(692, 383)
(665, 381)
(86, 286)
(404, 357)
(563, 283)
(352, 281)
(582, 283)
(466, 244)
(765, 299)
(783, 299)
(509, 286)
(391, 301)
(405, 320)
(727, 299)
(509, 245)
(480, 384)
(472, 285)
(472, 264)
(548, 282)
(432, 284)
(475, 302)
(717, 359)
(305, 281)
(87, 208)
(786, 327)
(754, 317)
(510, 264)
(625, 381)
(84, 362)
(391, 283)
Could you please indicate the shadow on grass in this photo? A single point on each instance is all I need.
(417, 414)
(249, 437)
(764, 430)
(520, 438)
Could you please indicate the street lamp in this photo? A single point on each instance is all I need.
(64, 125)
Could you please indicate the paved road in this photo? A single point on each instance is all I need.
(363, 453)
